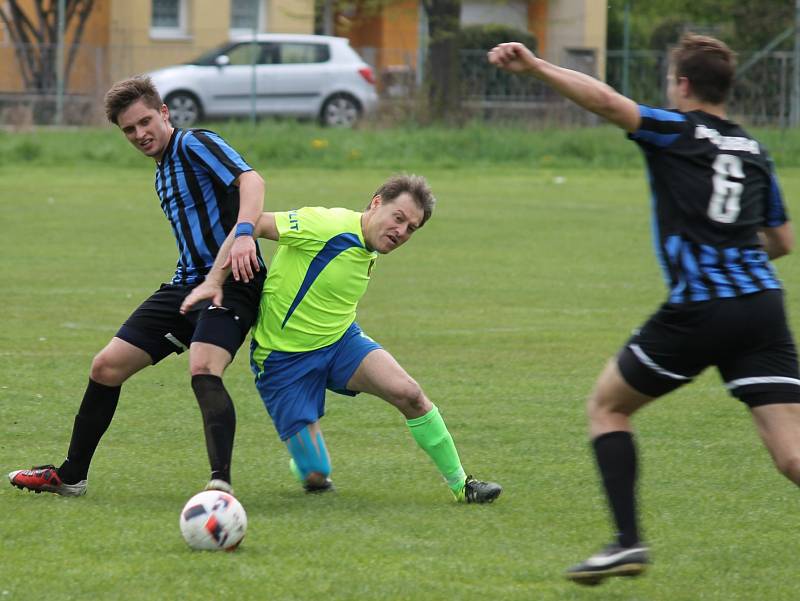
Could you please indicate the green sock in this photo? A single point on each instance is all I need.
(431, 434)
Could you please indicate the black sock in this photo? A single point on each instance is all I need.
(91, 422)
(616, 460)
(219, 422)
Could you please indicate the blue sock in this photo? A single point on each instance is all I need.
(309, 455)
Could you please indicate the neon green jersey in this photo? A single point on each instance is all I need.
(316, 277)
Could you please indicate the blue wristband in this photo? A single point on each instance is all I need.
(244, 229)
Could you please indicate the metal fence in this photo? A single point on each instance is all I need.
(762, 94)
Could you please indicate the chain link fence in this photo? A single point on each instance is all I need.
(761, 96)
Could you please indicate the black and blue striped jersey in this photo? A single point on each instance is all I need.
(712, 188)
(194, 181)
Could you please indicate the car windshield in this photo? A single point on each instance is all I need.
(207, 58)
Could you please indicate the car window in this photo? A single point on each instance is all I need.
(207, 58)
(293, 53)
(244, 54)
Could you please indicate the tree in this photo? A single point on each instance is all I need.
(35, 38)
(746, 25)
(443, 73)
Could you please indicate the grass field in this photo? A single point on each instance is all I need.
(504, 307)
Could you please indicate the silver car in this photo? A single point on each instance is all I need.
(320, 77)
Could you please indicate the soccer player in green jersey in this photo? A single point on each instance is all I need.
(306, 339)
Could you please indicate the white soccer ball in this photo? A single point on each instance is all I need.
(213, 520)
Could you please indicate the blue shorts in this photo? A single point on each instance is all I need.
(292, 385)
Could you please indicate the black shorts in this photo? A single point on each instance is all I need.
(158, 328)
(747, 338)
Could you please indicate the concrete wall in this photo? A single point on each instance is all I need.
(579, 25)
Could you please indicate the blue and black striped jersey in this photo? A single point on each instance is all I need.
(194, 181)
(713, 187)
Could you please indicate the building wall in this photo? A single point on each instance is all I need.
(576, 25)
(133, 49)
(511, 13)
(386, 38)
(537, 23)
(290, 16)
(595, 32)
(85, 66)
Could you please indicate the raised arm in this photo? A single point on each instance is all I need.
(584, 90)
(244, 258)
(211, 287)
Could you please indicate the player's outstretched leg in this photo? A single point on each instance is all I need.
(70, 480)
(431, 434)
(381, 375)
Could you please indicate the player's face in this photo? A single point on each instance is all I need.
(146, 128)
(390, 224)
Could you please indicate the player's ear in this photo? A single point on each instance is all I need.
(376, 201)
(684, 87)
(164, 110)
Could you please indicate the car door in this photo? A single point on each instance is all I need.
(293, 77)
(230, 83)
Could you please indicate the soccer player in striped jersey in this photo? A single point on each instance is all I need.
(207, 191)
(306, 338)
(718, 219)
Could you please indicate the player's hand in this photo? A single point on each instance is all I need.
(208, 289)
(243, 258)
(514, 57)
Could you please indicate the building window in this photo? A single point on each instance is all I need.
(247, 16)
(511, 13)
(168, 19)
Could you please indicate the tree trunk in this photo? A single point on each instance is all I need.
(443, 73)
(35, 38)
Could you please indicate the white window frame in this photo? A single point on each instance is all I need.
(261, 22)
(173, 33)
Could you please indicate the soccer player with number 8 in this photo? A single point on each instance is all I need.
(718, 219)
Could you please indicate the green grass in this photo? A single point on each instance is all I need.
(291, 144)
(504, 307)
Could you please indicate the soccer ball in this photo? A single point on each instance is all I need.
(213, 520)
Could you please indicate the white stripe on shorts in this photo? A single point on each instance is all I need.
(640, 354)
(175, 341)
(761, 380)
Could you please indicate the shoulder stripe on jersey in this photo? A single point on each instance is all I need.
(649, 112)
(332, 249)
(654, 138)
(220, 165)
(659, 127)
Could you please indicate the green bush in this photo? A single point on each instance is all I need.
(486, 37)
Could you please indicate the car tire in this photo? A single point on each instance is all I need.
(184, 109)
(340, 110)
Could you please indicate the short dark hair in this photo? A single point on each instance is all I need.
(415, 185)
(124, 93)
(709, 65)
